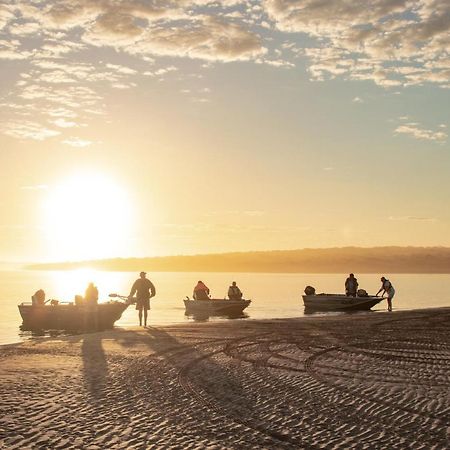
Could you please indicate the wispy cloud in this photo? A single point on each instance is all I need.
(77, 142)
(413, 218)
(36, 187)
(416, 131)
(28, 130)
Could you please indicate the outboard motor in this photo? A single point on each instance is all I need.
(309, 290)
(362, 293)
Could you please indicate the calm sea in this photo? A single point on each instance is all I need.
(273, 295)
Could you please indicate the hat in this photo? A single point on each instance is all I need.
(143, 273)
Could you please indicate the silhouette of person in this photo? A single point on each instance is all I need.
(387, 288)
(201, 291)
(234, 293)
(38, 299)
(144, 290)
(351, 286)
(91, 294)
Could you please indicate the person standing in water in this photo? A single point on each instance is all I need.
(144, 290)
(351, 286)
(387, 288)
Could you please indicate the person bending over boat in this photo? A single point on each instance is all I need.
(234, 293)
(387, 288)
(144, 290)
(351, 286)
(91, 295)
(201, 291)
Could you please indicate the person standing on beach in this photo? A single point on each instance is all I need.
(144, 290)
(387, 288)
(351, 286)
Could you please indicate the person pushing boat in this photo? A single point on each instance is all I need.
(387, 288)
(144, 290)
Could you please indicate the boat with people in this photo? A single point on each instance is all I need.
(73, 316)
(203, 305)
(216, 306)
(339, 302)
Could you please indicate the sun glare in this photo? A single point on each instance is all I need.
(87, 216)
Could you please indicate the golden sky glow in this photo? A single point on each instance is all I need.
(166, 127)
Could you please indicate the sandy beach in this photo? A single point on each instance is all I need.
(373, 380)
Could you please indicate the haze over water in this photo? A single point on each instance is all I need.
(273, 295)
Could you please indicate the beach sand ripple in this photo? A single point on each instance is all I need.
(363, 381)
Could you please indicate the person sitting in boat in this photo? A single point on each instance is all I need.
(201, 291)
(351, 286)
(91, 294)
(234, 293)
(387, 288)
(38, 298)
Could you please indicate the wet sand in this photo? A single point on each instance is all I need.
(373, 380)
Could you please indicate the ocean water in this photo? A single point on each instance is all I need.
(273, 295)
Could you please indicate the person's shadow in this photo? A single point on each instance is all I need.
(95, 366)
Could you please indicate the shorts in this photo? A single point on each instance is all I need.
(391, 293)
(143, 303)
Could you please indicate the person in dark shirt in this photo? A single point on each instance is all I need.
(234, 293)
(144, 290)
(201, 291)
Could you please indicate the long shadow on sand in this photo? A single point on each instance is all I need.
(192, 362)
(95, 366)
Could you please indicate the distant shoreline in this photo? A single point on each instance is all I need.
(414, 260)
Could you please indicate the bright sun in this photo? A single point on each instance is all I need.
(87, 216)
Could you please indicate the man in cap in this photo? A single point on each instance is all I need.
(144, 290)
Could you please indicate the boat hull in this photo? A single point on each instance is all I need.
(71, 317)
(216, 307)
(336, 302)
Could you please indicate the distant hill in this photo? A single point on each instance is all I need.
(328, 260)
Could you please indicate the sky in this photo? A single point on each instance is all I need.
(142, 128)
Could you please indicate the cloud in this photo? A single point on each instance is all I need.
(63, 123)
(54, 37)
(12, 50)
(28, 130)
(203, 37)
(77, 142)
(413, 218)
(392, 42)
(418, 132)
